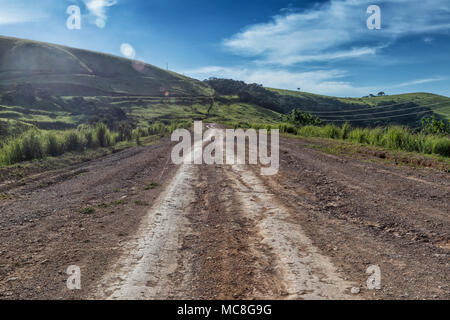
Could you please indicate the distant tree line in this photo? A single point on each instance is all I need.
(248, 93)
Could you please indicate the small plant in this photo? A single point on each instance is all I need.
(151, 185)
(140, 203)
(4, 196)
(88, 210)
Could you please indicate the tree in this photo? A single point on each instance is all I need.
(300, 118)
(381, 94)
(431, 125)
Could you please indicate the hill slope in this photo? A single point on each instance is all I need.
(58, 70)
(57, 87)
(407, 109)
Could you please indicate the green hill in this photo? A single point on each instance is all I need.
(406, 109)
(56, 87)
(63, 71)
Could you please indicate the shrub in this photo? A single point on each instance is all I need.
(400, 138)
(345, 131)
(89, 138)
(11, 152)
(31, 146)
(125, 131)
(375, 137)
(53, 146)
(102, 135)
(425, 143)
(441, 146)
(310, 131)
(358, 135)
(72, 141)
(287, 128)
(331, 131)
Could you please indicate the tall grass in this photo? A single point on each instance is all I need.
(36, 144)
(394, 137)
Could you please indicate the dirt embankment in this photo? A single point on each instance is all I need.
(220, 231)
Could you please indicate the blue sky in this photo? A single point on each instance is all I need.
(320, 46)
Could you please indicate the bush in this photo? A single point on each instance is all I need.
(359, 135)
(11, 152)
(53, 146)
(310, 131)
(441, 146)
(102, 135)
(31, 146)
(345, 131)
(425, 143)
(375, 137)
(332, 131)
(400, 138)
(72, 141)
(125, 131)
(287, 128)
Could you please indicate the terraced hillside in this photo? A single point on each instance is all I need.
(406, 109)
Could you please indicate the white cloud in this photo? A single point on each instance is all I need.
(97, 8)
(15, 13)
(416, 82)
(327, 82)
(337, 30)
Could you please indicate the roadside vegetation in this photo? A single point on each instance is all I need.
(433, 138)
(35, 144)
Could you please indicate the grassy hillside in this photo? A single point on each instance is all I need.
(405, 109)
(57, 70)
(53, 87)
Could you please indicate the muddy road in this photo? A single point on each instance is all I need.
(161, 231)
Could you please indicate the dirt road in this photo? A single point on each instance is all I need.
(225, 232)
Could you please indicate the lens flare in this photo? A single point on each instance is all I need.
(139, 66)
(127, 51)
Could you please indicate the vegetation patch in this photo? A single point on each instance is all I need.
(141, 203)
(88, 210)
(393, 137)
(151, 185)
